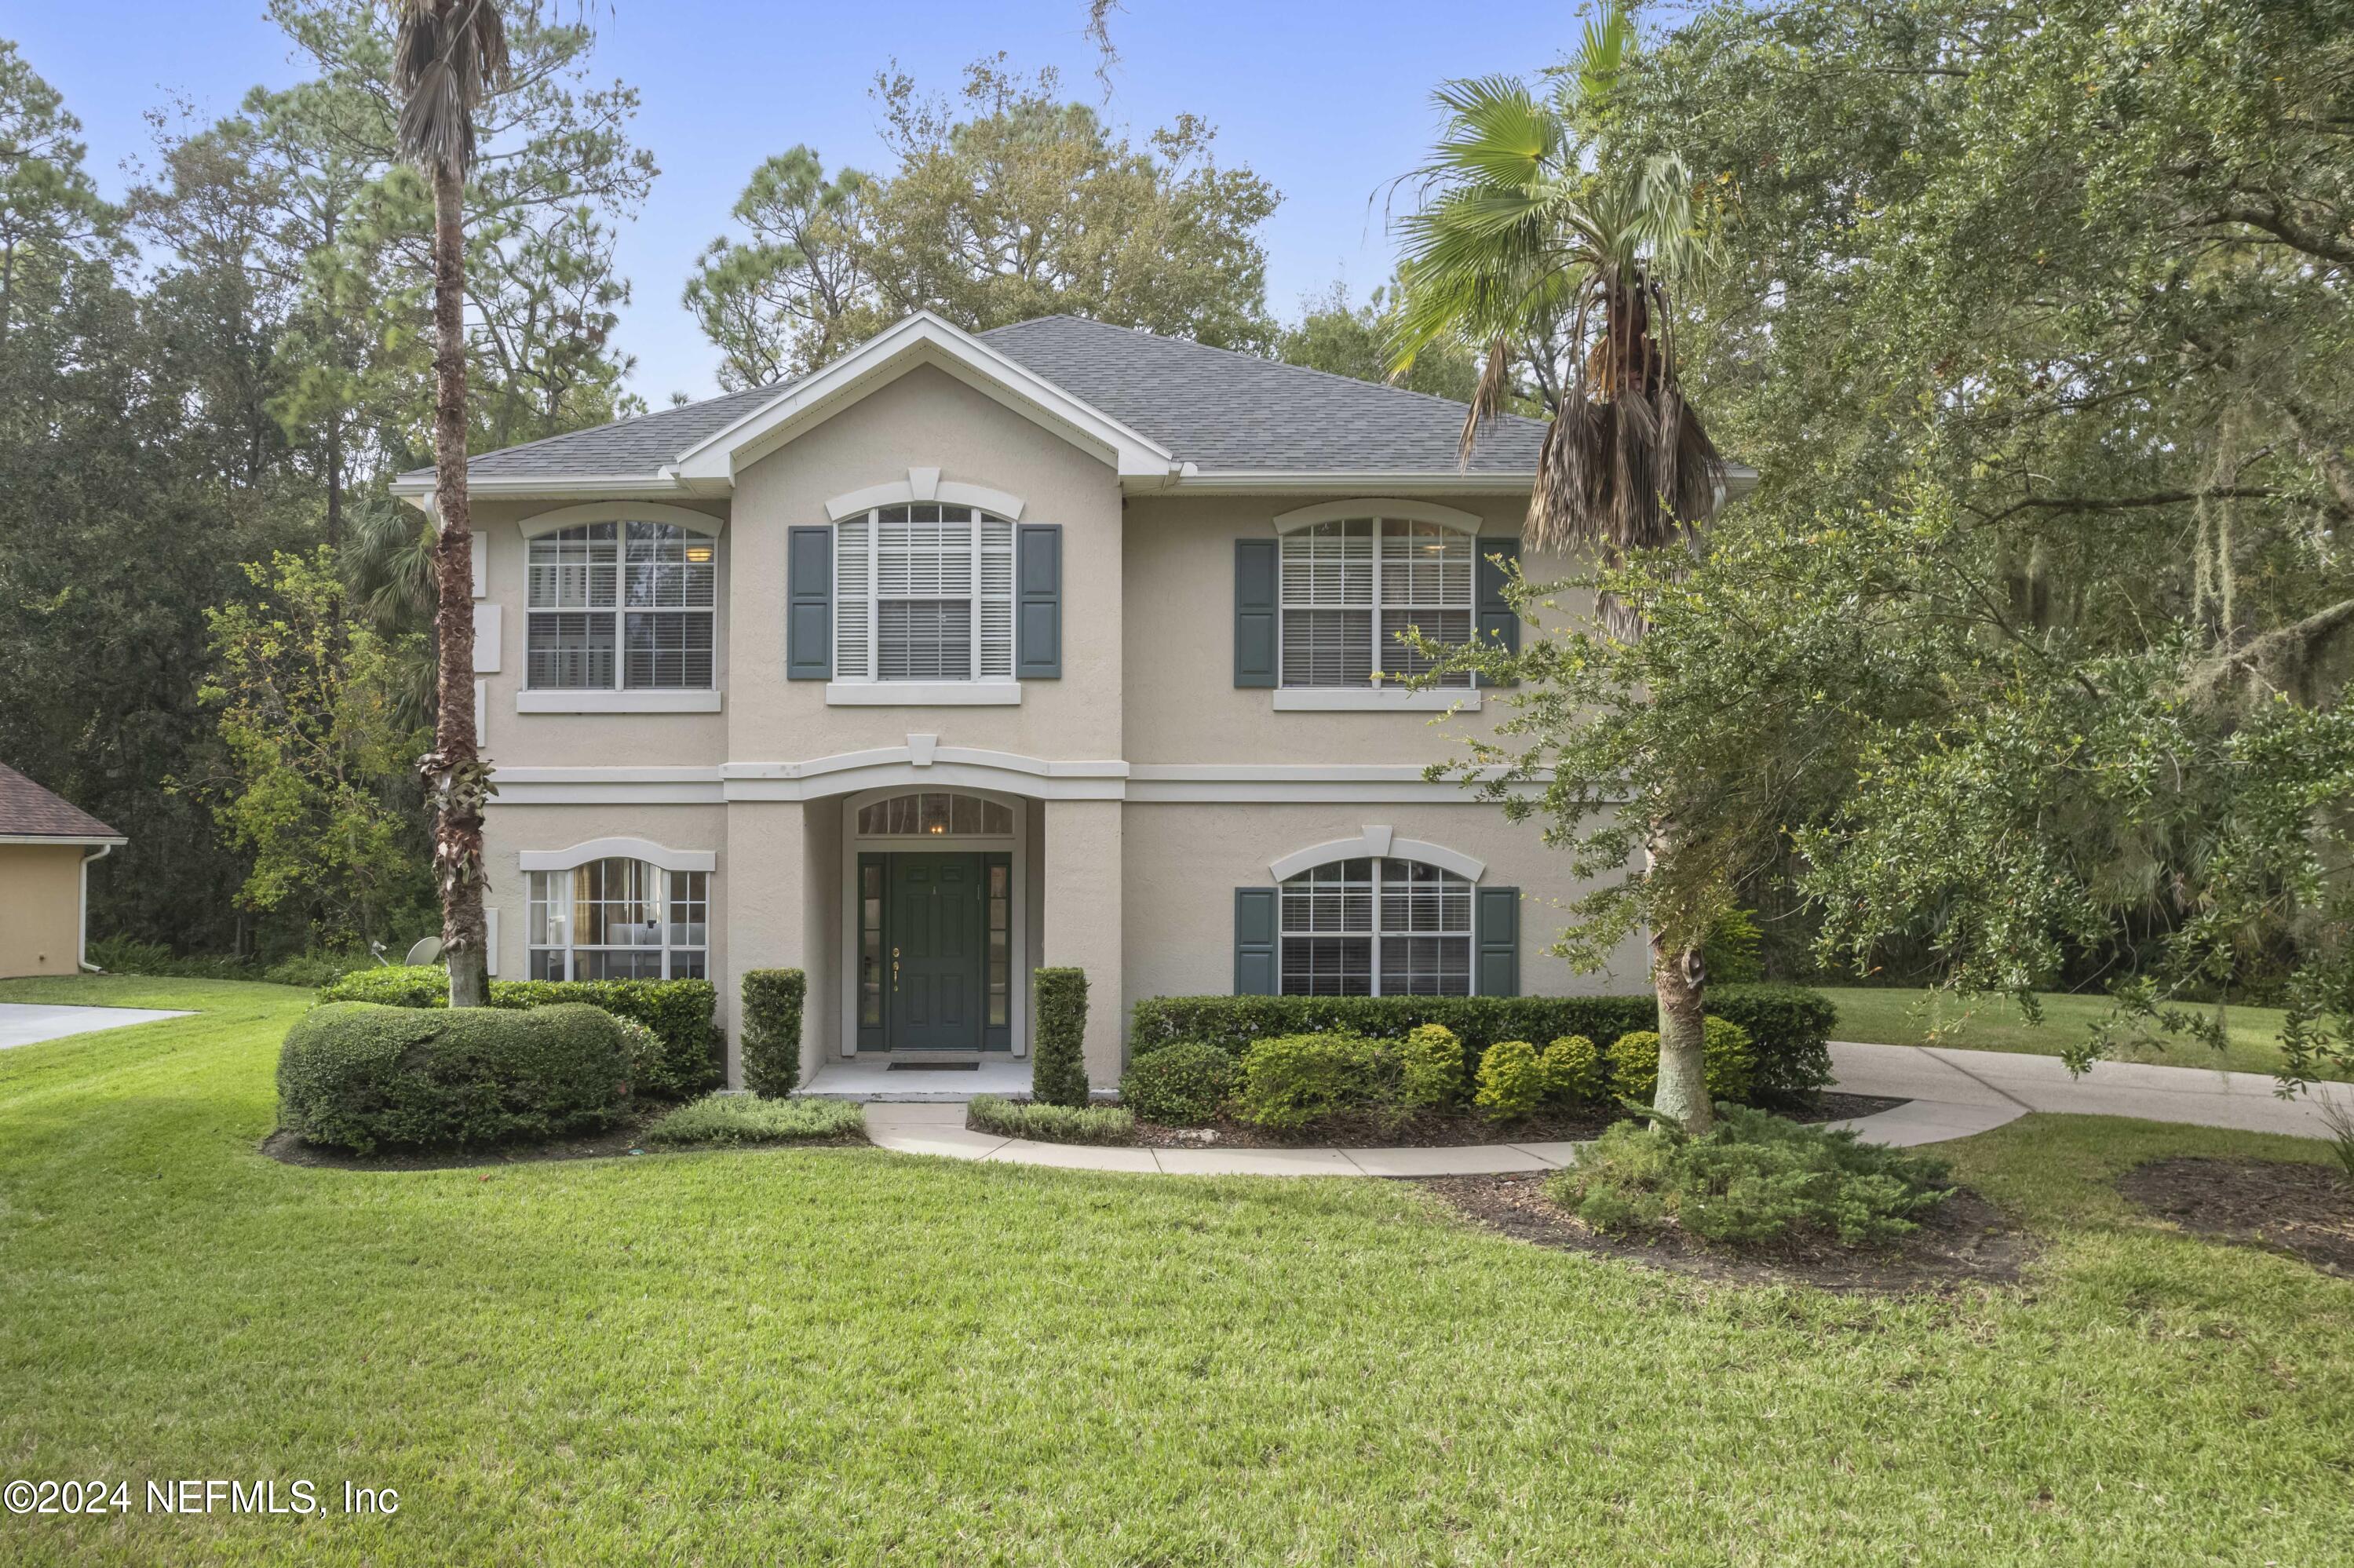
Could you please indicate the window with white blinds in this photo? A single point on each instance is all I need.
(1350, 588)
(1376, 927)
(923, 593)
(619, 919)
(621, 605)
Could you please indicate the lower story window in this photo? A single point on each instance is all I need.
(620, 920)
(1376, 927)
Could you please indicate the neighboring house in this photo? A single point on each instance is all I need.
(1059, 645)
(46, 846)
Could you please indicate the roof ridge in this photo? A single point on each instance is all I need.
(1257, 359)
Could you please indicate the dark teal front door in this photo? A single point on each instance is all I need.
(935, 930)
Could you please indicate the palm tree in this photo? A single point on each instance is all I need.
(1554, 262)
(449, 57)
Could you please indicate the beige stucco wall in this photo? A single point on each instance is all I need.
(1184, 861)
(1179, 626)
(40, 909)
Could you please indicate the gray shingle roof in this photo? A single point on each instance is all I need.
(28, 810)
(1222, 411)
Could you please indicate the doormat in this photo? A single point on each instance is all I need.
(934, 1067)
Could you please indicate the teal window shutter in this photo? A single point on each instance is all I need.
(1038, 601)
(1258, 563)
(1498, 939)
(1496, 621)
(808, 604)
(1255, 939)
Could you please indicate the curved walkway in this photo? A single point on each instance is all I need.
(1950, 1094)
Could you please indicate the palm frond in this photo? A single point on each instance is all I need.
(448, 56)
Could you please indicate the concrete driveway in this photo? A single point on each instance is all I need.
(24, 1023)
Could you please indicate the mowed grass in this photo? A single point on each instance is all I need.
(846, 1356)
(1902, 1017)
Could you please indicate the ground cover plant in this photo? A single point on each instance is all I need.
(601, 1359)
(1042, 1123)
(1752, 1179)
(750, 1118)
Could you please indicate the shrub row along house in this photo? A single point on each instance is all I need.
(1059, 645)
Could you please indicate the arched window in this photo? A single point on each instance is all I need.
(923, 592)
(1351, 585)
(618, 919)
(621, 605)
(1376, 926)
(934, 814)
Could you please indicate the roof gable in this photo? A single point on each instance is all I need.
(29, 811)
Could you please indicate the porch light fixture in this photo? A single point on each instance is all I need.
(700, 555)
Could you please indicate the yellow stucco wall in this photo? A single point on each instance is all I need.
(40, 909)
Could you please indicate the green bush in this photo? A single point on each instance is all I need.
(356, 1074)
(1735, 952)
(1058, 1065)
(1752, 1178)
(1728, 1064)
(747, 1119)
(1044, 1123)
(1511, 1080)
(1291, 1080)
(772, 1031)
(1788, 1025)
(1433, 1068)
(126, 956)
(679, 1010)
(1574, 1070)
(1185, 1086)
(642, 1049)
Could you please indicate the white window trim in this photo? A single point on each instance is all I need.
(567, 901)
(646, 850)
(1376, 697)
(1017, 916)
(1373, 699)
(924, 484)
(635, 700)
(597, 699)
(1377, 843)
(875, 690)
(924, 694)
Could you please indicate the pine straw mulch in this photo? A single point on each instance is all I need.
(1456, 1128)
(1965, 1241)
(2305, 1212)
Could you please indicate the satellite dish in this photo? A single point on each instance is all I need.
(427, 950)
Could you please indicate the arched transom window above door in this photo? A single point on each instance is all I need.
(935, 814)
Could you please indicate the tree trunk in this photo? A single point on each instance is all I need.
(1681, 980)
(455, 779)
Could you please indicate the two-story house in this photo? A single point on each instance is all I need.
(969, 653)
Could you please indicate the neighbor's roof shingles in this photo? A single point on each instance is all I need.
(28, 810)
(1222, 411)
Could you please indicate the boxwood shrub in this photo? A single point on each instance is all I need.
(1789, 1026)
(1291, 1080)
(1059, 1062)
(679, 1010)
(356, 1074)
(1185, 1086)
(772, 1031)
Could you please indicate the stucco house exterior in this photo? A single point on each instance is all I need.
(47, 843)
(1057, 644)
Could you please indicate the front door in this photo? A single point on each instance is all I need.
(935, 925)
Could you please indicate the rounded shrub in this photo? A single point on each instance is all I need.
(1432, 1067)
(1511, 1080)
(1727, 1063)
(356, 1074)
(1291, 1080)
(1573, 1069)
(1180, 1085)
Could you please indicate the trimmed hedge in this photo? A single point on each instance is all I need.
(680, 1011)
(772, 1031)
(1051, 1123)
(1185, 1086)
(358, 1075)
(1058, 1066)
(1291, 1080)
(1789, 1026)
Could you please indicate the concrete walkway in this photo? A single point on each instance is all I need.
(25, 1024)
(1952, 1093)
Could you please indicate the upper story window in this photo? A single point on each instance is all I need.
(1350, 586)
(623, 605)
(923, 592)
(618, 919)
(1376, 927)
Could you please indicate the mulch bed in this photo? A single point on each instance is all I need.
(2305, 1212)
(624, 1140)
(1454, 1129)
(1965, 1241)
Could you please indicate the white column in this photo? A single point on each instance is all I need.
(1083, 909)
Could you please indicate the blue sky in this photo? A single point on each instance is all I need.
(1327, 102)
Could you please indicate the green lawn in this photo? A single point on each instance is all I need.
(1891, 1017)
(841, 1355)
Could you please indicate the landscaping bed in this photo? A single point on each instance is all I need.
(2306, 1212)
(1450, 1129)
(626, 1137)
(1964, 1241)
